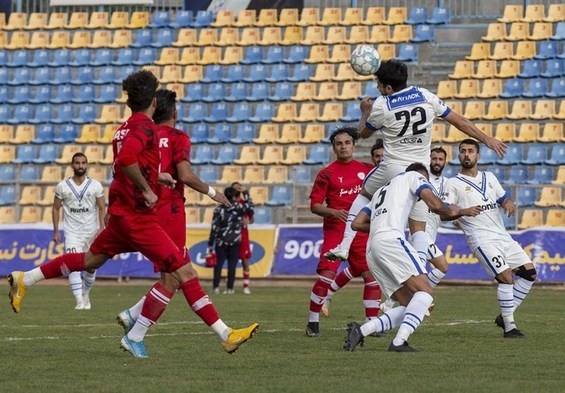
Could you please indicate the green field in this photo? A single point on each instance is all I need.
(49, 347)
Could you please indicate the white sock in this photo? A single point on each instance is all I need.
(75, 280)
(140, 328)
(389, 303)
(505, 298)
(135, 310)
(221, 329)
(359, 203)
(413, 317)
(434, 277)
(389, 320)
(421, 241)
(33, 276)
(329, 297)
(314, 317)
(521, 288)
(88, 282)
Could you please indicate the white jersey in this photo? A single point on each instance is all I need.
(405, 118)
(80, 215)
(485, 191)
(433, 221)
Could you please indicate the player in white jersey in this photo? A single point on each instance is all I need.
(82, 199)
(500, 255)
(393, 261)
(404, 115)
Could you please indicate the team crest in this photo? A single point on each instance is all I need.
(361, 175)
(467, 188)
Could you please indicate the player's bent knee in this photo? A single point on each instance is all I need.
(526, 274)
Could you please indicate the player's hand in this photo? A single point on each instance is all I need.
(57, 237)
(366, 104)
(509, 207)
(498, 146)
(150, 198)
(340, 215)
(165, 179)
(470, 211)
(221, 198)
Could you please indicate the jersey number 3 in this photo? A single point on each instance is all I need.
(408, 116)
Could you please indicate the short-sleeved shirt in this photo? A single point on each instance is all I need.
(174, 146)
(80, 213)
(405, 118)
(433, 221)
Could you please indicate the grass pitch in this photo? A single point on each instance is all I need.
(50, 347)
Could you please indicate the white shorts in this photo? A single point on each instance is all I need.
(497, 256)
(78, 243)
(434, 252)
(392, 261)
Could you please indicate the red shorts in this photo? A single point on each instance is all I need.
(172, 219)
(139, 232)
(357, 253)
(245, 248)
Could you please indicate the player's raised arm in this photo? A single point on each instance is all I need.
(445, 211)
(362, 222)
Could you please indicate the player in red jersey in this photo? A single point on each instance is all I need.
(245, 248)
(133, 224)
(335, 188)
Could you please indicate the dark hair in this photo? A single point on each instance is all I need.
(439, 149)
(79, 154)
(140, 88)
(378, 145)
(469, 141)
(166, 105)
(230, 193)
(351, 131)
(235, 183)
(393, 73)
(417, 167)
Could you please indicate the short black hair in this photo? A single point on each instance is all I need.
(140, 87)
(469, 141)
(417, 167)
(166, 105)
(439, 149)
(230, 193)
(351, 131)
(79, 154)
(393, 73)
(379, 144)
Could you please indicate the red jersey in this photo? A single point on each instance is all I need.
(135, 141)
(174, 146)
(337, 185)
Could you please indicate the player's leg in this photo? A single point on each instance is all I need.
(73, 244)
(233, 258)
(245, 256)
(339, 282)
(439, 270)
(221, 256)
(88, 278)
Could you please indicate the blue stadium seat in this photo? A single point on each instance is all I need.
(509, 222)
(108, 94)
(450, 171)
(102, 56)
(238, 92)
(513, 87)
(20, 58)
(4, 114)
(371, 90)
(63, 94)
(40, 58)
(4, 94)
(213, 73)
(262, 215)
(352, 112)
(164, 38)
(4, 76)
(62, 76)
(196, 113)
(301, 73)
(142, 38)
(25, 154)
(216, 93)
(199, 133)
(203, 18)
(279, 73)
(47, 153)
(65, 114)
(263, 113)
(513, 156)
(488, 157)
(498, 171)
(121, 74)
(221, 134)
(526, 196)
(275, 54)
(193, 92)
(235, 73)
(559, 32)
(318, 155)
(41, 76)
(202, 154)
(86, 114)
(297, 54)
(7, 193)
(160, 19)
(20, 94)
(417, 16)
(45, 133)
(259, 92)
(537, 154)
(20, 113)
(85, 75)
(107, 75)
(283, 92)
(218, 113)
(537, 87)
(546, 50)
(302, 174)
(209, 174)
(61, 57)
(531, 68)
(557, 89)
(244, 133)
(41, 94)
(440, 15)
(543, 174)
(280, 196)
(256, 73)
(518, 174)
(253, 55)
(21, 77)
(125, 56)
(67, 134)
(226, 155)
(81, 57)
(182, 19)
(240, 113)
(86, 93)
(553, 69)
(408, 53)
(4, 57)
(29, 173)
(423, 33)
(43, 114)
(557, 155)
(7, 173)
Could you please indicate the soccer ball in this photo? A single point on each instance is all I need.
(365, 60)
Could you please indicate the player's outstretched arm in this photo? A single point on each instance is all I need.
(446, 212)
(362, 222)
(509, 206)
(188, 177)
(324, 211)
(366, 106)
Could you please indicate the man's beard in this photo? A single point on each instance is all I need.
(467, 164)
(80, 172)
(438, 172)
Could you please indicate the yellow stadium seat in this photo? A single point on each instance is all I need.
(7, 153)
(544, 109)
(495, 32)
(396, 16)
(497, 110)
(121, 39)
(232, 55)
(208, 215)
(177, 88)
(94, 153)
(268, 133)
(224, 18)
(60, 40)
(192, 74)
(308, 112)
(508, 69)
(78, 20)
(327, 91)
(502, 51)
(18, 40)
(98, 172)
(293, 35)
(108, 154)
(39, 40)
(447, 89)
(259, 194)
(6, 133)
(83, 39)
(313, 133)
(474, 110)
(358, 35)
(309, 17)
(25, 133)
(249, 37)
(549, 196)
(541, 31)
(285, 112)
(271, 36)
(528, 132)
(118, 20)
(171, 74)
(98, 20)
(380, 34)
(277, 175)
(375, 16)
(37, 20)
(16, 21)
(346, 73)
(267, 17)
(186, 37)
(246, 18)
(51, 174)
(479, 51)
(295, 155)
(352, 16)
(89, 133)
(57, 20)
(31, 215)
(401, 33)
(521, 109)
(139, 20)
(463, 70)
(518, 31)
(438, 131)
(552, 132)
(108, 134)
(454, 135)
(323, 72)
(525, 50)
(305, 91)
(288, 17)
(209, 37)
(254, 174)
(189, 55)
(271, 155)
(555, 218)
(7, 214)
(230, 173)
(330, 17)
(534, 13)
(490, 88)
(48, 194)
(387, 51)
(506, 132)
(191, 197)
(110, 113)
(248, 155)
(332, 111)
(350, 91)
(512, 13)
(341, 53)
(336, 35)
(485, 69)
(561, 114)
(455, 106)
(560, 177)
(555, 13)
(290, 133)
(192, 215)
(468, 88)
(30, 195)
(485, 128)
(168, 56)
(531, 218)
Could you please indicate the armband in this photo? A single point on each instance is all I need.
(211, 192)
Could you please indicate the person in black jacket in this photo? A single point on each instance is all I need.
(225, 236)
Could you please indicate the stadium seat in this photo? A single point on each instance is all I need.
(508, 69)
(526, 196)
(268, 133)
(374, 16)
(387, 51)
(396, 16)
(518, 31)
(221, 134)
(509, 222)
(216, 92)
(513, 88)
(139, 20)
(30, 215)
(559, 32)
(51, 174)
(301, 72)
(468, 88)
(513, 156)
(280, 196)
(543, 174)
(283, 92)
(293, 35)
(7, 215)
(272, 155)
(534, 13)
(202, 154)
(57, 20)
(521, 109)
(555, 218)
(541, 31)
(503, 51)
(295, 155)
(327, 92)
(408, 53)
(209, 174)
(445, 89)
(528, 132)
(557, 155)
(29, 195)
(560, 176)
(417, 15)
(21, 94)
(226, 155)
(518, 174)
(308, 112)
(263, 113)
(253, 55)
(244, 133)
(318, 54)
(336, 35)
(553, 69)
(290, 133)
(262, 215)
(39, 40)
(358, 35)
(276, 175)
(302, 174)
(537, 154)
(349, 91)
(561, 114)
(549, 196)
(479, 51)
(485, 69)
(25, 133)
(271, 36)
(497, 110)
(239, 92)
(7, 196)
(552, 132)
(440, 15)
(318, 155)
(423, 33)
(183, 18)
(401, 33)
(544, 109)
(380, 34)
(230, 174)
(495, 32)
(524, 50)
(537, 87)
(249, 37)
(332, 112)
(279, 73)
(512, 13)
(29, 174)
(285, 112)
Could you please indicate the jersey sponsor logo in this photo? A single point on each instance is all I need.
(489, 206)
(410, 140)
(380, 211)
(410, 97)
(163, 142)
(79, 210)
(352, 191)
(121, 134)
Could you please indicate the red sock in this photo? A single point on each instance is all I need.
(63, 265)
(319, 292)
(342, 279)
(199, 301)
(371, 297)
(156, 302)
